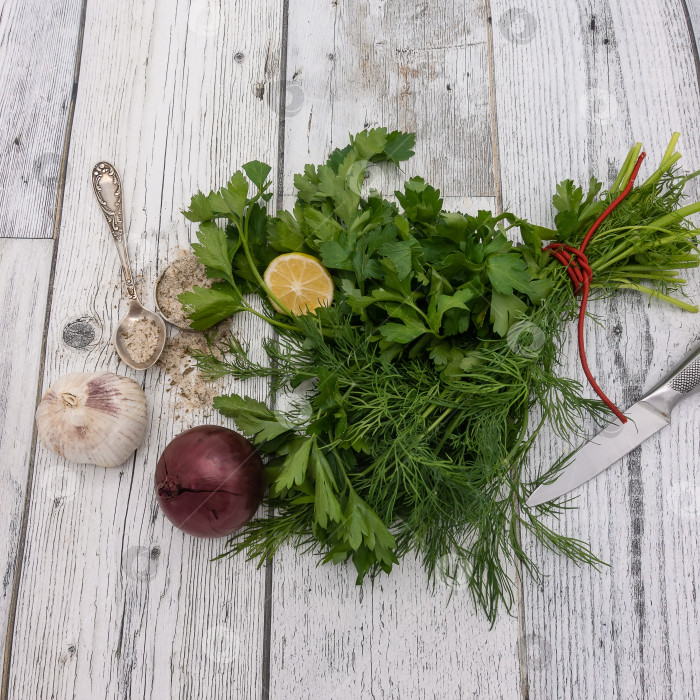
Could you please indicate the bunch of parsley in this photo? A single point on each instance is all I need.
(431, 374)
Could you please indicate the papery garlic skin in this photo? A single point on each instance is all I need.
(93, 418)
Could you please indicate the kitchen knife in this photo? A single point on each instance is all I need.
(645, 418)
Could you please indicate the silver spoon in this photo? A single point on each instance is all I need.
(108, 190)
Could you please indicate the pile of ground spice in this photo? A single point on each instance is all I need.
(186, 386)
(179, 276)
(141, 339)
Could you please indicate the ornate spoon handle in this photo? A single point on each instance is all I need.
(108, 189)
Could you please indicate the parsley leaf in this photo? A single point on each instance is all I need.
(215, 251)
(363, 526)
(401, 255)
(207, 307)
(402, 332)
(295, 464)
(253, 418)
(439, 304)
(335, 255)
(235, 195)
(284, 233)
(399, 146)
(505, 311)
(200, 209)
(573, 210)
(257, 172)
(508, 272)
(421, 202)
(326, 506)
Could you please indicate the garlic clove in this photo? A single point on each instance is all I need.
(93, 418)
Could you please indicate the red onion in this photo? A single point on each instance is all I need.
(209, 481)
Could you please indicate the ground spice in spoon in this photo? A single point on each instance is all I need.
(141, 339)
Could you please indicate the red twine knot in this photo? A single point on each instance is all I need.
(581, 275)
(576, 264)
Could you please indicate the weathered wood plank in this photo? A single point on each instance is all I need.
(114, 602)
(23, 293)
(358, 65)
(38, 43)
(415, 67)
(575, 88)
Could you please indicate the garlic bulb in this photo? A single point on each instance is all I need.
(94, 418)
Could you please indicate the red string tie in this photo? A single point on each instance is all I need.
(579, 270)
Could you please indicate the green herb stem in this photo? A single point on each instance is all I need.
(271, 321)
(626, 249)
(254, 269)
(667, 162)
(659, 276)
(634, 155)
(438, 420)
(623, 284)
(618, 180)
(676, 216)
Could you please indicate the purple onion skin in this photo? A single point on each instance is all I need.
(209, 481)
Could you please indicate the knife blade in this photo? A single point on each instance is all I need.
(646, 417)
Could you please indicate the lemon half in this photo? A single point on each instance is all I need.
(300, 282)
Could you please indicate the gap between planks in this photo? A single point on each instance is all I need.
(269, 568)
(520, 595)
(693, 32)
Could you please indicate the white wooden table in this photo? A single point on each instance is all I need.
(101, 597)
